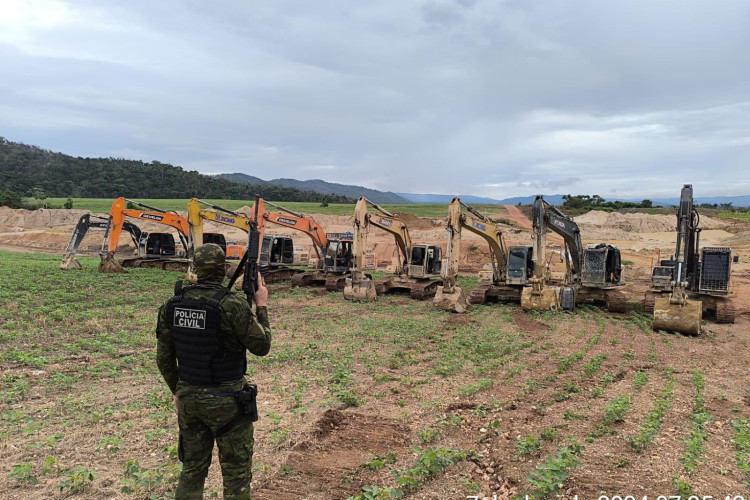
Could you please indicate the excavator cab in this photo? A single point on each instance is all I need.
(520, 264)
(157, 245)
(339, 255)
(276, 250)
(425, 261)
(216, 238)
(662, 274)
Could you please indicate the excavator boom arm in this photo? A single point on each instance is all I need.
(392, 224)
(547, 216)
(117, 221)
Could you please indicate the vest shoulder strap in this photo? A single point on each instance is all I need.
(220, 294)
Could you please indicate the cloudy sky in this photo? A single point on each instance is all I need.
(626, 98)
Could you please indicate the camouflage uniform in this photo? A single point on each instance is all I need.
(201, 414)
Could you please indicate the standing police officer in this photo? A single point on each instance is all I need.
(202, 333)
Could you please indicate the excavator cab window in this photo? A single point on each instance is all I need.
(158, 245)
(520, 263)
(216, 238)
(427, 258)
(434, 261)
(276, 250)
(418, 256)
(338, 256)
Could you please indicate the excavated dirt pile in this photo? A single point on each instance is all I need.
(613, 225)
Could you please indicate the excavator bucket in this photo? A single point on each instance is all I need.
(456, 301)
(676, 317)
(108, 264)
(362, 290)
(540, 298)
(70, 262)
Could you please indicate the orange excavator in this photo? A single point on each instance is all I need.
(334, 251)
(154, 249)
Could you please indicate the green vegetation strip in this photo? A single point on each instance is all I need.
(650, 427)
(553, 472)
(408, 480)
(698, 434)
(742, 444)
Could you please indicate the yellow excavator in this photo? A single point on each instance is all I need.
(593, 273)
(509, 269)
(694, 283)
(417, 264)
(274, 252)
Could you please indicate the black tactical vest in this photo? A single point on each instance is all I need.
(199, 342)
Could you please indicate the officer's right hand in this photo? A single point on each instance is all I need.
(261, 294)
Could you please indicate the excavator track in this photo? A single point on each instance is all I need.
(648, 302)
(424, 290)
(281, 274)
(336, 283)
(725, 311)
(302, 279)
(616, 301)
(479, 294)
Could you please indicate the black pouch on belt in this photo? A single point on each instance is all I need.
(247, 401)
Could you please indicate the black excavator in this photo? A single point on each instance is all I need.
(694, 283)
(593, 273)
(86, 222)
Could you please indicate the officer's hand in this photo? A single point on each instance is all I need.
(261, 295)
(176, 402)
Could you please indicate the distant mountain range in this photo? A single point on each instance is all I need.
(332, 188)
(323, 187)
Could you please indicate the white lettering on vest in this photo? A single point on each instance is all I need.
(190, 318)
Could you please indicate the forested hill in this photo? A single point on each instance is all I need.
(320, 186)
(25, 170)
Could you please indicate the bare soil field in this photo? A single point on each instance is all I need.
(378, 400)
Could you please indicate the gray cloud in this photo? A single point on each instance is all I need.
(478, 97)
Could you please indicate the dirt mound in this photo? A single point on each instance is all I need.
(413, 222)
(738, 238)
(19, 218)
(640, 223)
(597, 224)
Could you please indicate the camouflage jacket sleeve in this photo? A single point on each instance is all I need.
(253, 333)
(166, 358)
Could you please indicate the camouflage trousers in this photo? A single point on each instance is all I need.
(199, 416)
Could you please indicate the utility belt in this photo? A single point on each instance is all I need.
(247, 407)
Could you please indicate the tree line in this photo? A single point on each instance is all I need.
(30, 171)
(596, 202)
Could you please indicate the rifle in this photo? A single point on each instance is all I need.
(249, 263)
